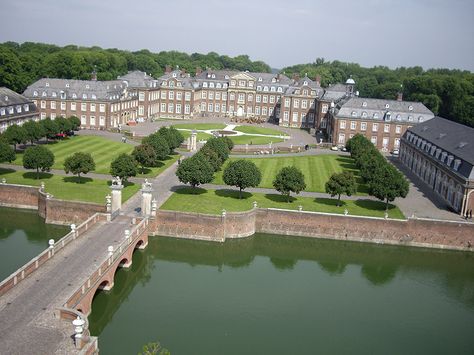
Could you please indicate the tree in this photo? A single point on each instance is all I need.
(289, 179)
(144, 155)
(154, 349)
(220, 146)
(38, 157)
(50, 127)
(212, 157)
(7, 154)
(195, 171)
(342, 183)
(34, 131)
(15, 134)
(124, 166)
(173, 137)
(388, 183)
(79, 163)
(75, 123)
(64, 125)
(242, 173)
(159, 144)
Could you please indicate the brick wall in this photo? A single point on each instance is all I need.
(18, 196)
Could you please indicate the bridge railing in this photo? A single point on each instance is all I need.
(94, 280)
(35, 263)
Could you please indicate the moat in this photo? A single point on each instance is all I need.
(273, 295)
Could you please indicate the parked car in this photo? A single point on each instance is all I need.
(396, 152)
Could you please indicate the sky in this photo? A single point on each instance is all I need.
(394, 33)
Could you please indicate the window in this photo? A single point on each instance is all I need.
(187, 96)
(342, 124)
(93, 96)
(387, 106)
(241, 98)
(373, 139)
(257, 110)
(83, 106)
(53, 105)
(163, 95)
(296, 103)
(354, 114)
(73, 106)
(84, 96)
(187, 109)
(265, 99)
(295, 117)
(386, 128)
(101, 121)
(170, 108)
(18, 109)
(211, 85)
(398, 129)
(342, 138)
(364, 114)
(210, 108)
(211, 95)
(305, 92)
(304, 104)
(203, 106)
(43, 115)
(364, 104)
(217, 108)
(83, 120)
(102, 108)
(375, 127)
(258, 98)
(376, 115)
(353, 124)
(163, 108)
(141, 110)
(264, 110)
(287, 102)
(223, 107)
(457, 162)
(250, 97)
(92, 120)
(47, 85)
(280, 89)
(43, 94)
(232, 97)
(323, 123)
(324, 108)
(26, 107)
(63, 106)
(35, 93)
(397, 143)
(242, 83)
(224, 96)
(171, 95)
(218, 95)
(178, 108)
(92, 107)
(285, 116)
(43, 104)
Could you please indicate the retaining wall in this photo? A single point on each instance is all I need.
(413, 232)
(52, 210)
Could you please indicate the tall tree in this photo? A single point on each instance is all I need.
(387, 184)
(7, 154)
(159, 144)
(243, 174)
(34, 131)
(124, 166)
(195, 171)
(38, 157)
(341, 183)
(15, 134)
(145, 156)
(289, 179)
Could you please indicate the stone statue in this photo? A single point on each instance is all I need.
(117, 181)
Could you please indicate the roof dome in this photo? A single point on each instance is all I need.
(350, 81)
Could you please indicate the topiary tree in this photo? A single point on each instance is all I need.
(242, 173)
(50, 127)
(64, 125)
(289, 179)
(220, 146)
(211, 157)
(177, 137)
(341, 183)
(75, 122)
(388, 183)
(159, 144)
(229, 142)
(144, 155)
(7, 154)
(15, 134)
(195, 171)
(79, 163)
(34, 131)
(38, 157)
(124, 166)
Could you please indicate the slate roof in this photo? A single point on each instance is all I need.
(218, 75)
(10, 98)
(138, 79)
(379, 109)
(334, 93)
(103, 90)
(454, 138)
(184, 79)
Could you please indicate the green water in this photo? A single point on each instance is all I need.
(288, 295)
(23, 235)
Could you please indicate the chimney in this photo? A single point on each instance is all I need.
(295, 77)
(278, 77)
(167, 69)
(400, 96)
(183, 73)
(198, 71)
(318, 80)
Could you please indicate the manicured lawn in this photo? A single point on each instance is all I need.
(316, 168)
(259, 130)
(162, 166)
(254, 140)
(201, 126)
(66, 187)
(199, 200)
(201, 136)
(103, 151)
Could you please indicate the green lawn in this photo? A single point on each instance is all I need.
(259, 130)
(66, 187)
(103, 151)
(316, 168)
(201, 136)
(254, 140)
(199, 200)
(201, 126)
(161, 166)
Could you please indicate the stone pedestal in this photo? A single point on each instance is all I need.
(147, 197)
(116, 193)
(193, 145)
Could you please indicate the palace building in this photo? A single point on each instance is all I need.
(440, 152)
(15, 109)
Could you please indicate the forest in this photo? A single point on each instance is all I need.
(447, 92)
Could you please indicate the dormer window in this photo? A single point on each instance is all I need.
(18, 109)
(354, 114)
(273, 89)
(84, 96)
(226, 77)
(260, 78)
(35, 93)
(213, 76)
(2, 111)
(410, 108)
(376, 115)
(224, 85)
(399, 118)
(174, 75)
(47, 85)
(420, 119)
(93, 96)
(26, 108)
(43, 94)
(433, 150)
(74, 96)
(87, 86)
(457, 162)
(364, 114)
(164, 83)
(53, 94)
(204, 85)
(11, 110)
(443, 156)
(259, 88)
(171, 84)
(305, 83)
(387, 106)
(211, 85)
(178, 84)
(274, 80)
(218, 85)
(67, 85)
(305, 92)
(450, 160)
(265, 88)
(364, 104)
(232, 82)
